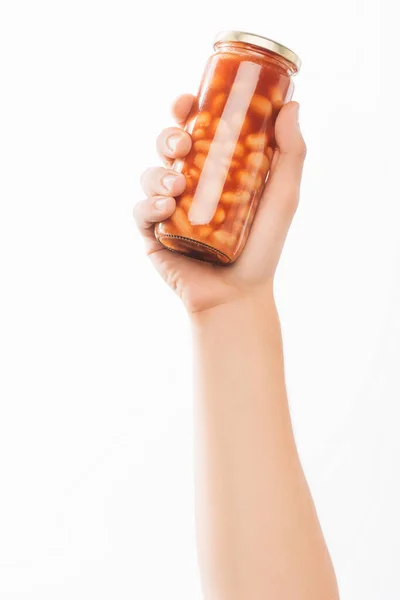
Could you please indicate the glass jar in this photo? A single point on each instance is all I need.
(246, 82)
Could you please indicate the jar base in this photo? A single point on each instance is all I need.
(194, 249)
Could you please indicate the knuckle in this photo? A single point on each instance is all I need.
(140, 212)
(135, 211)
(291, 202)
(301, 149)
(151, 178)
(170, 131)
(138, 209)
(145, 176)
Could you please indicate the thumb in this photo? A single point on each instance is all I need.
(281, 193)
(283, 185)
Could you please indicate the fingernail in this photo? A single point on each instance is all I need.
(161, 204)
(168, 181)
(173, 141)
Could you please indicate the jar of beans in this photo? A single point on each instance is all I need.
(246, 82)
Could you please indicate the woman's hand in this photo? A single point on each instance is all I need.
(201, 285)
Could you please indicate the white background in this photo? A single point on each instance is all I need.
(96, 496)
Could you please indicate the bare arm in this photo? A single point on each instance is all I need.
(258, 532)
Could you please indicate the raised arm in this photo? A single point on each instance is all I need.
(258, 532)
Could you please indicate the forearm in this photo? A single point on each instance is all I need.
(258, 532)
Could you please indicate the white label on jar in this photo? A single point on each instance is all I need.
(217, 164)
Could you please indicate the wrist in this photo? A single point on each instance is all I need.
(256, 304)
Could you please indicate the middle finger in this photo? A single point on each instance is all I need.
(166, 182)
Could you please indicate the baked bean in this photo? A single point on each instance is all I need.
(203, 119)
(257, 161)
(199, 160)
(192, 176)
(236, 197)
(189, 184)
(218, 104)
(181, 222)
(256, 141)
(249, 180)
(223, 238)
(205, 230)
(245, 217)
(194, 173)
(185, 202)
(199, 133)
(219, 216)
(261, 105)
(202, 146)
(276, 97)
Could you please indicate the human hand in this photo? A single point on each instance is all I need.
(202, 286)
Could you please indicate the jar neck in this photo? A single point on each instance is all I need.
(244, 49)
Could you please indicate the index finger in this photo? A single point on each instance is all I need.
(181, 108)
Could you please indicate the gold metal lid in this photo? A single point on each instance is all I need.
(258, 40)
